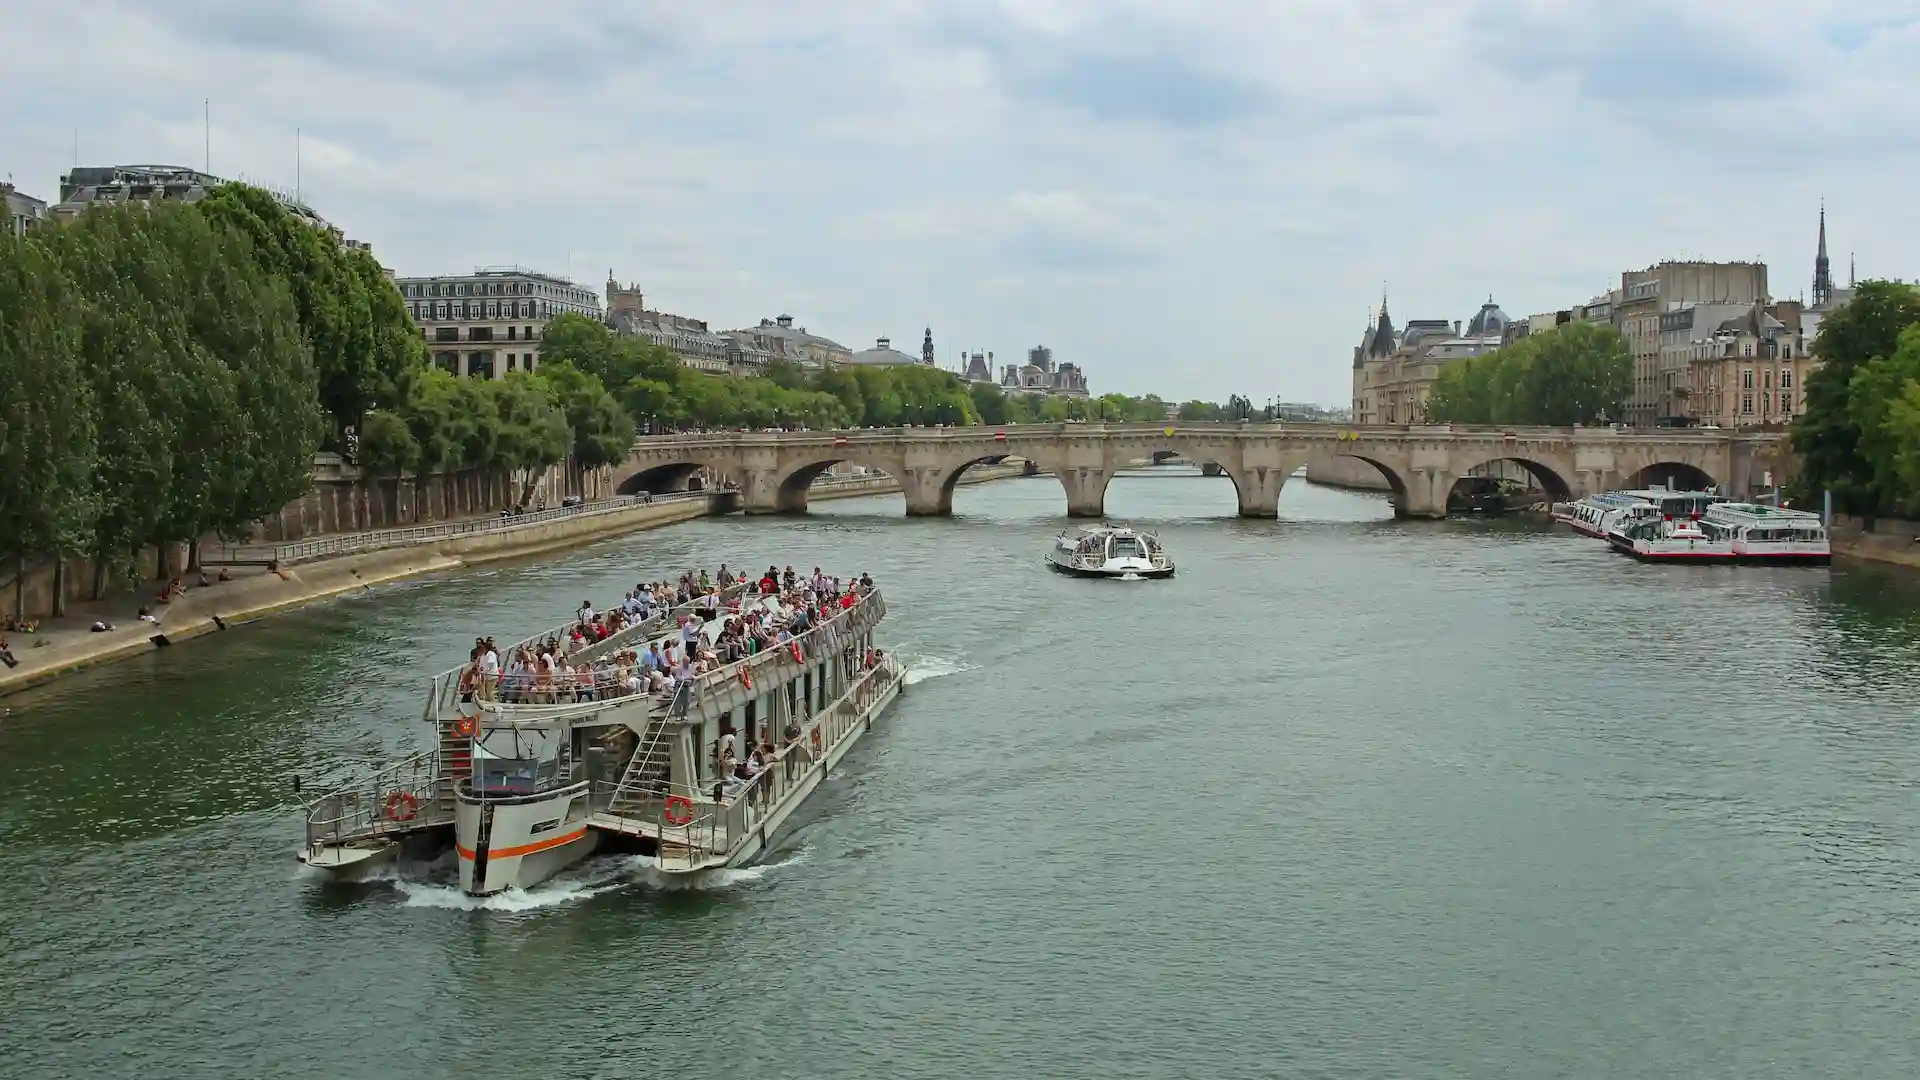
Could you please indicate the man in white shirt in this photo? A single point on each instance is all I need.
(489, 671)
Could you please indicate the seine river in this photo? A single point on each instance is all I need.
(1347, 798)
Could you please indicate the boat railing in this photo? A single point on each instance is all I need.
(718, 827)
(399, 798)
(867, 611)
(444, 694)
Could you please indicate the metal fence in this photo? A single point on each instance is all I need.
(324, 547)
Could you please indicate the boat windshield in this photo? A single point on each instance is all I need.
(513, 761)
(1126, 547)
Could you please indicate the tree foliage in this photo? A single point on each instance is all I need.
(171, 387)
(1576, 373)
(1856, 429)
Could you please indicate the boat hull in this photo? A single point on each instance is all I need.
(528, 839)
(1112, 572)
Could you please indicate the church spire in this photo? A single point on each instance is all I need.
(1822, 269)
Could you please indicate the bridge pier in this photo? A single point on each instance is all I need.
(1086, 490)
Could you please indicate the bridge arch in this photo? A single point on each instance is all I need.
(942, 505)
(659, 476)
(791, 485)
(1395, 481)
(1673, 474)
(1549, 478)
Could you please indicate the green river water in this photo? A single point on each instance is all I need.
(1349, 797)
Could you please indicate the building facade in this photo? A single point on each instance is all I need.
(1040, 375)
(1661, 382)
(1750, 370)
(489, 322)
(691, 340)
(1394, 370)
(780, 337)
(883, 354)
(23, 211)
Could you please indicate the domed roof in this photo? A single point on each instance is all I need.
(1490, 322)
(883, 353)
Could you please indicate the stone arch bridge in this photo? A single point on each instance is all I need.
(773, 470)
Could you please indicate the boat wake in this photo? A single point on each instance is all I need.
(595, 877)
(922, 667)
(1130, 577)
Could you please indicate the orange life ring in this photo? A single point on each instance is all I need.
(746, 676)
(402, 806)
(678, 811)
(793, 648)
(816, 740)
(466, 726)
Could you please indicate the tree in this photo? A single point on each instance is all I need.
(1576, 373)
(1827, 433)
(48, 501)
(1886, 442)
(388, 448)
(602, 430)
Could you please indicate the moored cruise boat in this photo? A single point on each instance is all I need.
(532, 775)
(1760, 533)
(1668, 540)
(1110, 551)
(1598, 515)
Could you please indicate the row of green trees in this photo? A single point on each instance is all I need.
(156, 383)
(1576, 373)
(169, 371)
(1859, 435)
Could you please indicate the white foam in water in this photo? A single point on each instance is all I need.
(921, 667)
(596, 877)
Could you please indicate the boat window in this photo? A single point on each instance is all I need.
(513, 761)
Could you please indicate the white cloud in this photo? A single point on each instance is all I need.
(1189, 198)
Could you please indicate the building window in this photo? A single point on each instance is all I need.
(1746, 378)
(446, 333)
(513, 333)
(1786, 351)
(1746, 404)
(1766, 404)
(1767, 378)
(1786, 404)
(1786, 381)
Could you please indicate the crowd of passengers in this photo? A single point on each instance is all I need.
(553, 672)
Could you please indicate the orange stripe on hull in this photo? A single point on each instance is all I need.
(523, 849)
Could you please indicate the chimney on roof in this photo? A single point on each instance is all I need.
(1456, 328)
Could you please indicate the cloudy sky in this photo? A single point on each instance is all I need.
(1193, 198)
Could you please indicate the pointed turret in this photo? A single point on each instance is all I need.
(1822, 269)
(1382, 341)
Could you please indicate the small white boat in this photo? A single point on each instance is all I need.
(1112, 551)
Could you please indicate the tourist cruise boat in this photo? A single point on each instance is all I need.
(522, 791)
(1728, 532)
(1597, 515)
(1113, 551)
(1762, 533)
(1668, 540)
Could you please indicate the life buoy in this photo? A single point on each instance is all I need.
(678, 811)
(466, 726)
(872, 654)
(746, 676)
(402, 806)
(816, 740)
(793, 649)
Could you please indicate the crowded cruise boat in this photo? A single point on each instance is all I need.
(1113, 551)
(1598, 515)
(686, 722)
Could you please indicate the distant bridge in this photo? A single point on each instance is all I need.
(1420, 463)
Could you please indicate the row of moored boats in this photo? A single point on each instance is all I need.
(1663, 525)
